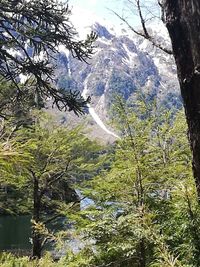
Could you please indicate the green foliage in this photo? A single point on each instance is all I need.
(50, 148)
(8, 260)
(31, 32)
(53, 159)
(146, 211)
(120, 85)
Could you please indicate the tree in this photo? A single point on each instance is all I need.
(149, 181)
(182, 20)
(55, 158)
(183, 23)
(30, 35)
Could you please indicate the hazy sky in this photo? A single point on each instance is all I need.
(89, 11)
(98, 7)
(92, 10)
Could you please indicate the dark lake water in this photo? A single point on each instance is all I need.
(15, 232)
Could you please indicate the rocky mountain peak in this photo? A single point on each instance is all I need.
(102, 31)
(123, 64)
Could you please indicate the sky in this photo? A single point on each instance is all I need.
(98, 8)
(87, 12)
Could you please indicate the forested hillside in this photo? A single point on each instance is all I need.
(122, 64)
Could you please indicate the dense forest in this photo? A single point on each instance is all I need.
(133, 202)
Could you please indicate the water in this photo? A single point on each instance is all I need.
(15, 232)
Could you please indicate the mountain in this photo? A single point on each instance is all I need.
(122, 63)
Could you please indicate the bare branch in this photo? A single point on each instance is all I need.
(147, 36)
(145, 33)
(160, 3)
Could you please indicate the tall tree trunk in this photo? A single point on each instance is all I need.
(36, 237)
(182, 19)
(142, 259)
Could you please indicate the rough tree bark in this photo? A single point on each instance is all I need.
(182, 18)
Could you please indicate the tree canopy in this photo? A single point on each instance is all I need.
(30, 35)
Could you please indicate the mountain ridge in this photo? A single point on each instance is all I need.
(122, 64)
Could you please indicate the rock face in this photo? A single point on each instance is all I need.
(122, 64)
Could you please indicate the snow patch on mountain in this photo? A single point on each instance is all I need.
(122, 64)
(94, 114)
